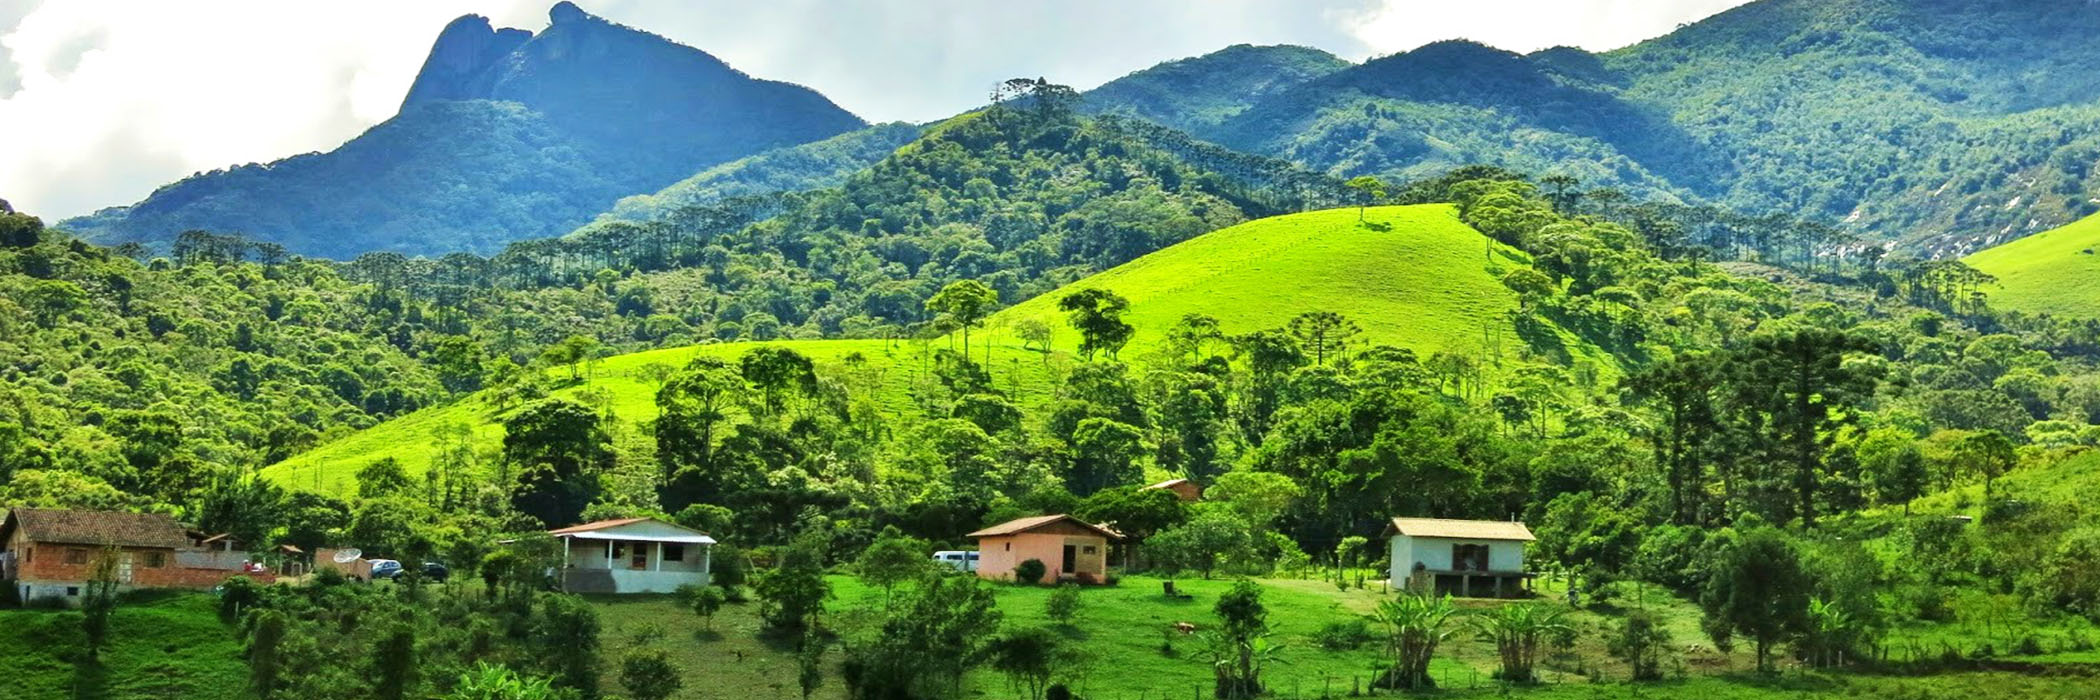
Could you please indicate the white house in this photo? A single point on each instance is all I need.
(632, 555)
(1461, 557)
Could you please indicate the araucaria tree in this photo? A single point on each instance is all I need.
(1798, 390)
(1098, 316)
(1323, 334)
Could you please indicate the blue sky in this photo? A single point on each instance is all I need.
(103, 100)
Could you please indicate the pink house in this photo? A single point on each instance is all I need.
(1069, 548)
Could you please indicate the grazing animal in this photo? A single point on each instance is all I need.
(1185, 627)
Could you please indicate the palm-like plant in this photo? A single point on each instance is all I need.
(1517, 631)
(1415, 625)
(1238, 663)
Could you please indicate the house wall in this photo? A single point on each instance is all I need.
(657, 575)
(998, 556)
(1434, 553)
(42, 571)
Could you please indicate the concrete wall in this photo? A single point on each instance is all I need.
(656, 575)
(1434, 553)
(998, 556)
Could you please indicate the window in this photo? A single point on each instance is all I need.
(72, 591)
(76, 556)
(1089, 549)
(1009, 546)
(155, 560)
(674, 552)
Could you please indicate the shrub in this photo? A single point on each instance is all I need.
(1030, 571)
(1343, 635)
(1063, 604)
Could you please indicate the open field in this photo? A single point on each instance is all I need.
(162, 645)
(2055, 271)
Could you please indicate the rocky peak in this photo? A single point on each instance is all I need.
(459, 58)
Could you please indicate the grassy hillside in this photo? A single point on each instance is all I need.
(898, 371)
(162, 645)
(2054, 272)
(1410, 276)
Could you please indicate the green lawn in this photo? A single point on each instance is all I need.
(162, 645)
(2056, 271)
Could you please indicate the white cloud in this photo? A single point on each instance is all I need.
(102, 100)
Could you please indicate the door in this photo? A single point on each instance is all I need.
(124, 568)
(641, 554)
(1071, 559)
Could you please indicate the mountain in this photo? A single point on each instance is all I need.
(2053, 272)
(810, 166)
(504, 135)
(1943, 125)
(1195, 94)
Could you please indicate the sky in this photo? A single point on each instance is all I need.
(103, 100)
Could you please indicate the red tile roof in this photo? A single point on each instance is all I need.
(96, 528)
(599, 525)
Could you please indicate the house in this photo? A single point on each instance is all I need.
(1183, 489)
(1460, 557)
(632, 555)
(1070, 549)
(49, 553)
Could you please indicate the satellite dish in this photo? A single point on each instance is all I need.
(348, 555)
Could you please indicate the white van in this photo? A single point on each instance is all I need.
(959, 561)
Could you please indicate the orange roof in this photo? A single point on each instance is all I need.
(1020, 525)
(600, 525)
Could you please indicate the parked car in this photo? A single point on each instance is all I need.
(389, 569)
(959, 561)
(385, 569)
(436, 572)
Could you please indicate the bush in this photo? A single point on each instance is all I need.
(1063, 604)
(1030, 571)
(1343, 635)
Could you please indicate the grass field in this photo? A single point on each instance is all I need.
(1411, 276)
(1122, 628)
(2055, 272)
(162, 645)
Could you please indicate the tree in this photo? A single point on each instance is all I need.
(648, 675)
(556, 450)
(265, 657)
(1414, 625)
(1027, 656)
(1530, 285)
(705, 601)
(1799, 387)
(1516, 630)
(1201, 543)
(791, 596)
(1098, 316)
(1105, 453)
(1259, 497)
(1759, 591)
(1895, 467)
(394, 664)
(1681, 391)
(1368, 190)
(777, 372)
(381, 478)
(891, 559)
(1988, 453)
(52, 300)
(926, 642)
(809, 667)
(1323, 333)
(19, 230)
(1641, 641)
(692, 407)
(966, 302)
(567, 629)
(1034, 334)
(100, 601)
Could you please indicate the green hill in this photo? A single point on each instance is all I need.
(1412, 276)
(2054, 272)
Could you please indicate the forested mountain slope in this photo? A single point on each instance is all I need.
(811, 166)
(1196, 94)
(505, 135)
(1945, 125)
(2053, 272)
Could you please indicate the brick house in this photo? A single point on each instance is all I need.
(48, 553)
